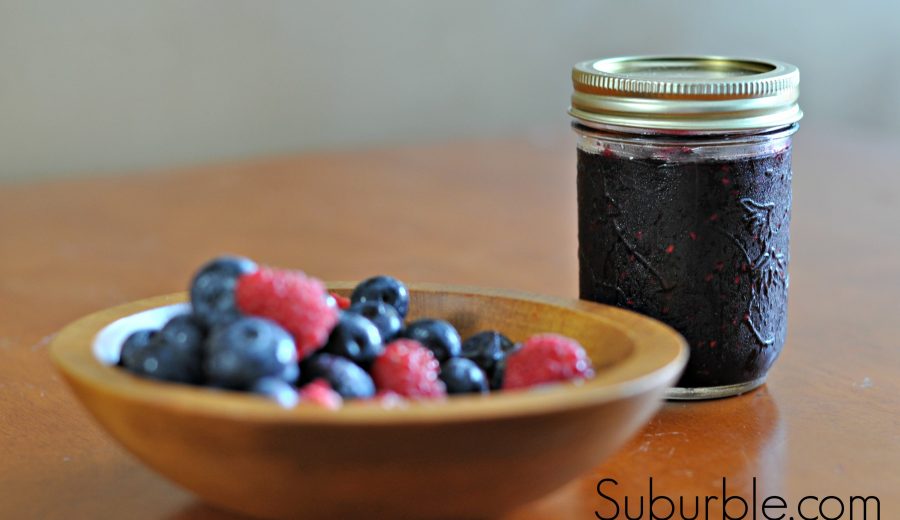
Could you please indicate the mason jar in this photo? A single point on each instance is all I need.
(684, 204)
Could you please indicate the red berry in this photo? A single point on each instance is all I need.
(387, 394)
(408, 369)
(295, 301)
(320, 392)
(343, 302)
(388, 399)
(546, 358)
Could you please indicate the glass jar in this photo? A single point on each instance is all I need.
(684, 204)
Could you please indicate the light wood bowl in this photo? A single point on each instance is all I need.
(466, 457)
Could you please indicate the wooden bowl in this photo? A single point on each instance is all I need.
(465, 457)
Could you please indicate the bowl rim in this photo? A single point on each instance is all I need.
(657, 359)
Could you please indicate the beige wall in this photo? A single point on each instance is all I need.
(106, 86)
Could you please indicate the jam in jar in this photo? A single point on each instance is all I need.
(684, 204)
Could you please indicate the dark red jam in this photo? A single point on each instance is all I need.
(700, 244)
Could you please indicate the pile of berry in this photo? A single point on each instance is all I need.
(281, 334)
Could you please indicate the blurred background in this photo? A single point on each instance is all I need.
(100, 86)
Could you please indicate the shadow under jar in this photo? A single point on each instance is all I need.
(684, 204)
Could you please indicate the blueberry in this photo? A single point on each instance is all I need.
(344, 376)
(486, 349)
(184, 331)
(212, 289)
(383, 289)
(385, 317)
(160, 361)
(355, 338)
(499, 372)
(184, 336)
(248, 349)
(172, 354)
(437, 335)
(462, 376)
(133, 345)
(496, 377)
(277, 390)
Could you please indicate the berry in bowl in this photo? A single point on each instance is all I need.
(377, 398)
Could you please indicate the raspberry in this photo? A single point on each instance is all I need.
(343, 302)
(293, 300)
(319, 392)
(408, 369)
(546, 358)
(389, 399)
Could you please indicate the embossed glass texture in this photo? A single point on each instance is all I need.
(692, 230)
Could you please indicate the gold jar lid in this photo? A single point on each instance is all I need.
(688, 93)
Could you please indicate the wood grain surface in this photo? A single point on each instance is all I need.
(497, 213)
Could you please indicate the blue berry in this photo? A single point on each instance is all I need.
(213, 287)
(499, 372)
(172, 354)
(355, 338)
(277, 390)
(159, 361)
(487, 349)
(344, 376)
(185, 334)
(184, 331)
(248, 349)
(385, 317)
(462, 376)
(383, 289)
(130, 356)
(437, 335)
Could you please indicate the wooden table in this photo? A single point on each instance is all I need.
(493, 212)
